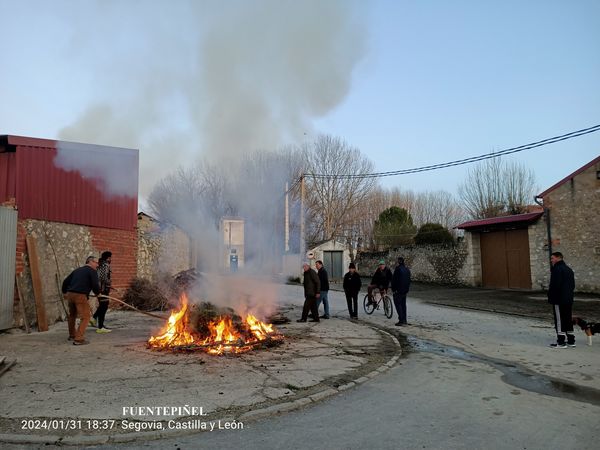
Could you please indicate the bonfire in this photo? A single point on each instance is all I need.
(221, 335)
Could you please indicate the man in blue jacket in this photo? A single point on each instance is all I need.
(560, 295)
(324, 297)
(400, 287)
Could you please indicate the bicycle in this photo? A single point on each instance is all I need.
(378, 297)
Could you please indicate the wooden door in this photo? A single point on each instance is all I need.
(505, 259)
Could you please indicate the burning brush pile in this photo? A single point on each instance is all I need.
(203, 327)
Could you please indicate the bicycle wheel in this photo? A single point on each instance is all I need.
(387, 307)
(369, 307)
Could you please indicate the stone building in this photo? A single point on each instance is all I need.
(571, 226)
(162, 248)
(514, 251)
(335, 257)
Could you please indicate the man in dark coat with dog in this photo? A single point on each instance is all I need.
(560, 295)
(400, 287)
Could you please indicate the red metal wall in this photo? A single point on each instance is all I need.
(7, 176)
(46, 192)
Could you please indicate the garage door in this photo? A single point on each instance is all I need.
(333, 264)
(505, 259)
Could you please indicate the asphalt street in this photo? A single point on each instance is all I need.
(436, 399)
(467, 379)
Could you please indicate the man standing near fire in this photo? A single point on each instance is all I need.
(324, 294)
(104, 274)
(77, 287)
(312, 289)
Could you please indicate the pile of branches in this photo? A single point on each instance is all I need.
(161, 294)
(146, 295)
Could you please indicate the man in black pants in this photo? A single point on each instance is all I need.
(560, 295)
(312, 290)
(104, 274)
(400, 286)
(352, 284)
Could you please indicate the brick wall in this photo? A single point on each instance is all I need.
(124, 247)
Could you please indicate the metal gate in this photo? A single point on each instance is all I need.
(8, 248)
(505, 259)
(333, 260)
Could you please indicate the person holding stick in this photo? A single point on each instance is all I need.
(77, 287)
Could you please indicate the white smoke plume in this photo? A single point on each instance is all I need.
(112, 170)
(215, 79)
(218, 80)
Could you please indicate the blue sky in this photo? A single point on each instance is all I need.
(434, 81)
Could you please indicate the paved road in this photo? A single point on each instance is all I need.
(491, 383)
(435, 400)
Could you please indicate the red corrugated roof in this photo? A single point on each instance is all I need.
(517, 218)
(568, 177)
(48, 190)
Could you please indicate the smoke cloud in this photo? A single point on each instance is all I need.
(218, 81)
(215, 79)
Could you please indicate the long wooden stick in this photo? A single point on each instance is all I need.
(22, 304)
(130, 306)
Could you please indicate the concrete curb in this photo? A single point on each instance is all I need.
(249, 415)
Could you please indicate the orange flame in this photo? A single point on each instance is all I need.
(224, 335)
(176, 331)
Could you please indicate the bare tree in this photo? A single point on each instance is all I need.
(520, 187)
(332, 196)
(191, 196)
(493, 188)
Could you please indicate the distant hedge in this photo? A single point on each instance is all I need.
(433, 233)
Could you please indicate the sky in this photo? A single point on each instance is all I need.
(410, 83)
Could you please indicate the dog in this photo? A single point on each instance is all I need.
(588, 328)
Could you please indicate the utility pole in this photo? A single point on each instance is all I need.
(287, 219)
(302, 240)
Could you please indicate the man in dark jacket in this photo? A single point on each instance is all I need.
(324, 293)
(560, 294)
(312, 290)
(77, 287)
(352, 284)
(400, 287)
(381, 279)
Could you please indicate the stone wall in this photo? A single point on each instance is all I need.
(575, 227)
(161, 249)
(539, 258)
(62, 248)
(445, 264)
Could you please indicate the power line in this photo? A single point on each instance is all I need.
(459, 162)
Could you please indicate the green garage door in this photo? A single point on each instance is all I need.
(333, 260)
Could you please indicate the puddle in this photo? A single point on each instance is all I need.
(513, 374)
